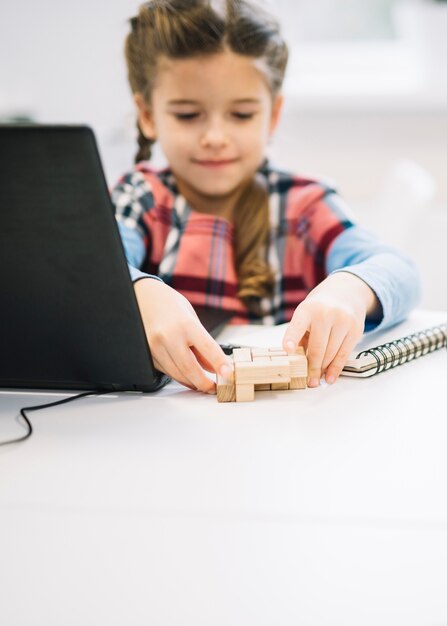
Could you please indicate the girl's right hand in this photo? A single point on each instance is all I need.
(179, 344)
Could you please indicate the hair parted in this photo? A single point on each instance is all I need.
(181, 29)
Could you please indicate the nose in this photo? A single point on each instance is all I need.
(214, 135)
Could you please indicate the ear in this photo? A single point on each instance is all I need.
(276, 112)
(145, 117)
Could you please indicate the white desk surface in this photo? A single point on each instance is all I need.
(311, 507)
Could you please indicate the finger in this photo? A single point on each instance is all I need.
(335, 367)
(299, 325)
(203, 362)
(164, 363)
(208, 351)
(337, 336)
(190, 368)
(318, 340)
(304, 341)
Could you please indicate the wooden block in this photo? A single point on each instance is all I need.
(226, 392)
(298, 369)
(245, 393)
(277, 352)
(262, 369)
(298, 383)
(297, 358)
(280, 361)
(298, 366)
(261, 357)
(262, 372)
(257, 352)
(226, 389)
(242, 355)
(279, 386)
(276, 358)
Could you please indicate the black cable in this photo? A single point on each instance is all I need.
(38, 407)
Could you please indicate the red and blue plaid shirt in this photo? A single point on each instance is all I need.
(194, 252)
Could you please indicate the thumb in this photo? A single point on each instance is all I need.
(211, 356)
(299, 325)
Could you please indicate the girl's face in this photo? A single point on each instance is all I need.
(213, 117)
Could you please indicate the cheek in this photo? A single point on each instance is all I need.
(266, 125)
(175, 140)
(255, 139)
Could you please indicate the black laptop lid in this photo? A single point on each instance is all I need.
(68, 313)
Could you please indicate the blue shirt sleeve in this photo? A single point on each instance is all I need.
(132, 242)
(134, 250)
(392, 275)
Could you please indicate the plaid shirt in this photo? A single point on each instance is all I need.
(194, 253)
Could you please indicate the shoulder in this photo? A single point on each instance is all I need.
(143, 185)
(300, 191)
(302, 196)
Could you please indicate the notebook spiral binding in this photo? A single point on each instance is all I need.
(405, 349)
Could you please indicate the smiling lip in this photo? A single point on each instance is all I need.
(214, 163)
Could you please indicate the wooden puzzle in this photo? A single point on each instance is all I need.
(262, 369)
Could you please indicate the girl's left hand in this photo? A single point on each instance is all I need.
(329, 323)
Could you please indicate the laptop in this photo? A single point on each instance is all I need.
(68, 313)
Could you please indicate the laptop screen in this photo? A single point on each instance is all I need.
(68, 313)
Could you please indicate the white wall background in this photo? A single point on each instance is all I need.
(63, 62)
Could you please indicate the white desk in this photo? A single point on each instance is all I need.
(322, 506)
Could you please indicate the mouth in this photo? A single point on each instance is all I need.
(214, 163)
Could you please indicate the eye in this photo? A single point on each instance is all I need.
(185, 116)
(243, 116)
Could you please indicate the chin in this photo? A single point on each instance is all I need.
(217, 191)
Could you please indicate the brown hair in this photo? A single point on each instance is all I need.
(179, 29)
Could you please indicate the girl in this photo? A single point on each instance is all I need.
(222, 227)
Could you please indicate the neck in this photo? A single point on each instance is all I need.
(221, 206)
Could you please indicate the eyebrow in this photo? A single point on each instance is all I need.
(247, 101)
(195, 102)
(182, 102)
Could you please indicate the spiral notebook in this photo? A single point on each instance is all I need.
(396, 352)
(422, 333)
